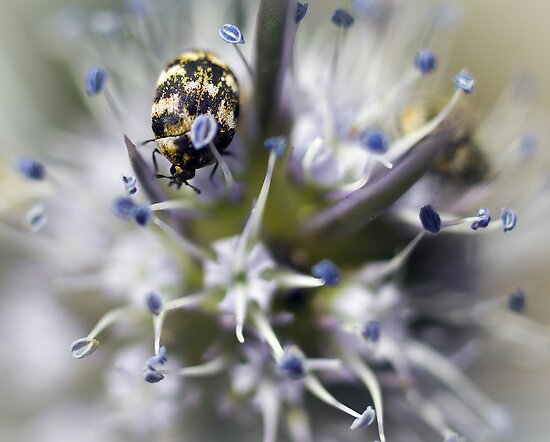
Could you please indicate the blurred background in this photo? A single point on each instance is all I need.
(496, 41)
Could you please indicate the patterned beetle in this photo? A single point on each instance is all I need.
(195, 83)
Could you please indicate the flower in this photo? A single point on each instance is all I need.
(313, 272)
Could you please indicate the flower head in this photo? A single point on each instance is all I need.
(312, 272)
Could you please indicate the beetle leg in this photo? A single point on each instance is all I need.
(155, 161)
(197, 191)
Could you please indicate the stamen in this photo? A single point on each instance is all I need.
(327, 271)
(309, 157)
(268, 335)
(322, 365)
(301, 10)
(464, 81)
(430, 219)
(343, 20)
(366, 419)
(508, 219)
(270, 406)
(371, 331)
(36, 218)
(292, 363)
(130, 184)
(316, 388)
(113, 316)
(180, 204)
(154, 303)
(203, 131)
(367, 376)
(150, 372)
(224, 166)
(124, 208)
(515, 328)
(425, 61)
(158, 322)
(241, 304)
(96, 82)
(401, 146)
(375, 141)
(210, 368)
(378, 271)
(87, 345)
(194, 250)
(483, 219)
(430, 413)
(142, 215)
(31, 169)
(252, 227)
(441, 368)
(232, 35)
(186, 301)
(83, 347)
(516, 301)
(290, 280)
(377, 107)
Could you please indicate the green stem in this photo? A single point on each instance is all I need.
(276, 27)
(365, 204)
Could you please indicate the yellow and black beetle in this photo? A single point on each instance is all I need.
(195, 83)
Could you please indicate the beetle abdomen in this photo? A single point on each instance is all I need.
(195, 83)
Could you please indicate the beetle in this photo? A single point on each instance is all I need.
(194, 83)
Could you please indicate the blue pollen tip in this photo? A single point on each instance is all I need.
(301, 10)
(153, 301)
(123, 207)
(327, 271)
(152, 376)
(159, 359)
(366, 419)
(293, 363)
(96, 79)
(276, 144)
(130, 184)
(142, 214)
(203, 130)
(374, 140)
(430, 219)
(83, 347)
(528, 145)
(425, 61)
(371, 331)
(483, 219)
(31, 169)
(508, 219)
(517, 301)
(342, 18)
(464, 80)
(231, 34)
